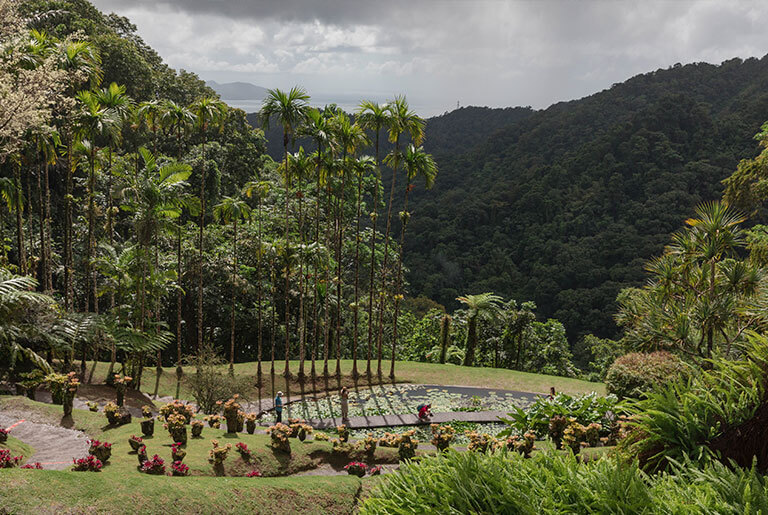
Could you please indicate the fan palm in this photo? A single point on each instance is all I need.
(479, 306)
(289, 109)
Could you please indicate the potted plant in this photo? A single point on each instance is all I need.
(179, 408)
(279, 435)
(135, 442)
(406, 449)
(154, 466)
(245, 452)
(231, 410)
(442, 436)
(3, 435)
(177, 427)
(179, 469)
(102, 450)
(142, 454)
(121, 383)
(148, 426)
(177, 453)
(63, 389)
(250, 423)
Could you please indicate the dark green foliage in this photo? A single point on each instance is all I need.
(471, 482)
(636, 374)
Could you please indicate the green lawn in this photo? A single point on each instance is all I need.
(406, 372)
(18, 448)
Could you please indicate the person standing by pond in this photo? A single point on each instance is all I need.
(344, 394)
(279, 407)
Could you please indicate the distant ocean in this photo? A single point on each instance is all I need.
(349, 104)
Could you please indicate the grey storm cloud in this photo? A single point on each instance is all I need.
(486, 52)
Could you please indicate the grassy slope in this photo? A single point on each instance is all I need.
(120, 488)
(406, 371)
(18, 448)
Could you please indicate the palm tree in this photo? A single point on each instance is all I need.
(299, 166)
(316, 127)
(260, 189)
(362, 165)
(401, 121)
(209, 113)
(114, 99)
(79, 59)
(482, 305)
(94, 121)
(177, 120)
(375, 117)
(417, 164)
(289, 109)
(151, 115)
(231, 210)
(16, 202)
(47, 142)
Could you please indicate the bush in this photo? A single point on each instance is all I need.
(135, 442)
(177, 428)
(480, 442)
(343, 432)
(245, 452)
(177, 408)
(442, 436)
(102, 450)
(211, 383)
(559, 483)
(197, 428)
(635, 374)
(179, 469)
(3, 435)
(356, 468)
(279, 435)
(7, 461)
(217, 456)
(367, 445)
(177, 453)
(406, 449)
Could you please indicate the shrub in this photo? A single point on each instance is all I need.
(92, 406)
(102, 450)
(442, 436)
(253, 473)
(3, 435)
(197, 428)
(177, 453)
(146, 412)
(573, 436)
(63, 389)
(135, 442)
(116, 415)
(210, 383)
(88, 464)
(634, 375)
(374, 470)
(142, 454)
(121, 383)
(33, 466)
(245, 452)
(406, 449)
(592, 434)
(179, 469)
(233, 414)
(356, 468)
(321, 437)
(7, 461)
(154, 466)
(250, 423)
(523, 445)
(389, 440)
(341, 448)
(279, 435)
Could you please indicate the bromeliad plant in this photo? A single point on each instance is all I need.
(177, 453)
(233, 413)
(214, 421)
(217, 456)
(7, 461)
(121, 383)
(245, 452)
(367, 445)
(179, 408)
(250, 423)
(135, 442)
(177, 427)
(253, 473)
(442, 436)
(33, 466)
(279, 436)
(406, 449)
(178, 469)
(356, 468)
(141, 453)
(343, 432)
(102, 450)
(88, 464)
(116, 415)
(197, 428)
(3, 435)
(480, 442)
(154, 466)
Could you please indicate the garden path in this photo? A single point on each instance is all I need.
(55, 446)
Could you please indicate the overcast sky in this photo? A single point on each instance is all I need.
(477, 52)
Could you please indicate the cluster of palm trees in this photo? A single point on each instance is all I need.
(338, 172)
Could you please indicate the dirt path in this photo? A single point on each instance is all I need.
(54, 446)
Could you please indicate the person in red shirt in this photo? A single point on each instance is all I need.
(425, 412)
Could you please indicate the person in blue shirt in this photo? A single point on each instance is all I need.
(279, 407)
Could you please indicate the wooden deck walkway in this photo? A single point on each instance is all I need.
(407, 419)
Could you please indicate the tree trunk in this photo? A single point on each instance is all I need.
(68, 279)
(41, 232)
(200, 261)
(19, 220)
(47, 225)
(89, 271)
(287, 371)
(399, 281)
(374, 218)
(179, 369)
(260, 299)
(234, 286)
(445, 335)
(315, 271)
(469, 358)
(357, 275)
(301, 284)
(339, 244)
(327, 300)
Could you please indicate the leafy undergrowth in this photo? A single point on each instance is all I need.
(18, 448)
(405, 371)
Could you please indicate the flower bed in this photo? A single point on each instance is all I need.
(33, 466)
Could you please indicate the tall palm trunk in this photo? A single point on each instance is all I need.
(68, 279)
(89, 270)
(41, 232)
(19, 220)
(30, 233)
(47, 228)
(234, 291)
(260, 300)
(327, 302)
(179, 370)
(339, 243)
(273, 329)
(200, 255)
(399, 281)
(110, 229)
(315, 271)
(357, 274)
(301, 283)
(287, 371)
(374, 217)
(380, 335)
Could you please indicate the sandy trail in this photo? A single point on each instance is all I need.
(55, 446)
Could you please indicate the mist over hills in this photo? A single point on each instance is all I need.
(237, 90)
